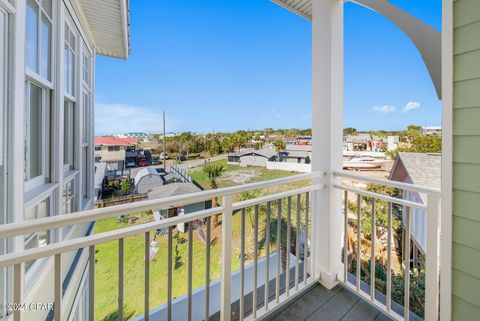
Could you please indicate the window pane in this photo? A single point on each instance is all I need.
(34, 133)
(45, 57)
(47, 6)
(31, 36)
(69, 142)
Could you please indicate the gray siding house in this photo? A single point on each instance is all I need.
(253, 157)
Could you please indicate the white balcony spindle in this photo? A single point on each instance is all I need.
(345, 238)
(120, 277)
(58, 287)
(372, 255)
(279, 250)
(226, 273)
(431, 261)
(297, 243)
(255, 264)
(91, 282)
(406, 304)
(18, 287)
(147, 277)
(359, 240)
(389, 258)
(267, 256)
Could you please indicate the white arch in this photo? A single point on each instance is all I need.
(427, 40)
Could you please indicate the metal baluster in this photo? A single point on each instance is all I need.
(297, 243)
(91, 283)
(242, 266)
(305, 245)
(359, 237)
(287, 268)
(389, 259)
(255, 263)
(279, 250)
(226, 273)
(58, 287)
(120, 279)
(147, 277)
(190, 268)
(169, 278)
(406, 304)
(207, 269)
(372, 255)
(345, 239)
(267, 257)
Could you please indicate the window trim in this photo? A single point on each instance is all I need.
(32, 183)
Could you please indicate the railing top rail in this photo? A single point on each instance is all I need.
(400, 185)
(31, 226)
(95, 239)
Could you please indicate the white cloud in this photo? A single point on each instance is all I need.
(123, 118)
(384, 109)
(411, 106)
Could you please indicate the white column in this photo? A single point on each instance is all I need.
(327, 131)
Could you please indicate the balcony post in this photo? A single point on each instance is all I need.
(226, 273)
(327, 134)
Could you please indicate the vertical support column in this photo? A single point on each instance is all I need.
(226, 273)
(327, 131)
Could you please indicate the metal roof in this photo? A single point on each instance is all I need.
(108, 24)
(172, 189)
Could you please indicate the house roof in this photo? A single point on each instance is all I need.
(115, 141)
(300, 7)
(145, 172)
(418, 168)
(172, 189)
(107, 23)
(265, 152)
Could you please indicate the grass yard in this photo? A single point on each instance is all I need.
(106, 274)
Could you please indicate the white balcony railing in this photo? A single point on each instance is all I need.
(288, 218)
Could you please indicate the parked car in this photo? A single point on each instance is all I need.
(130, 163)
(143, 162)
(163, 156)
(181, 158)
(155, 160)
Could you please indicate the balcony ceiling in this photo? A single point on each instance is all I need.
(108, 25)
(300, 7)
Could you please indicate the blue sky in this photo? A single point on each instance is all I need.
(246, 64)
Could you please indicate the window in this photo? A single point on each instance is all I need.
(113, 148)
(5, 273)
(38, 239)
(86, 68)
(69, 135)
(98, 148)
(37, 106)
(69, 61)
(38, 37)
(69, 204)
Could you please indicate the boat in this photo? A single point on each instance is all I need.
(363, 163)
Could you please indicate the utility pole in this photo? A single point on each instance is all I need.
(164, 144)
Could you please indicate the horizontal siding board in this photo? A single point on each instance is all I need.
(466, 38)
(466, 149)
(466, 232)
(467, 66)
(466, 177)
(466, 121)
(466, 259)
(466, 94)
(465, 204)
(463, 310)
(466, 287)
(465, 12)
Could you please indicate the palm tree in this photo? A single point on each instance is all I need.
(213, 172)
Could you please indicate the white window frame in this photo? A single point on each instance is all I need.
(69, 136)
(6, 286)
(87, 102)
(72, 28)
(42, 12)
(39, 264)
(34, 182)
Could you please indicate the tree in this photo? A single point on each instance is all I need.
(213, 172)
(279, 145)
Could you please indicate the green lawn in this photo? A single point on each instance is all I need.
(106, 274)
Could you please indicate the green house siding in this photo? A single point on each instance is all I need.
(466, 161)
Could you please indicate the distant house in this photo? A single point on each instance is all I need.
(174, 189)
(362, 142)
(300, 154)
(431, 130)
(147, 179)
(419, 169)
(114, 151)
(251, 157)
